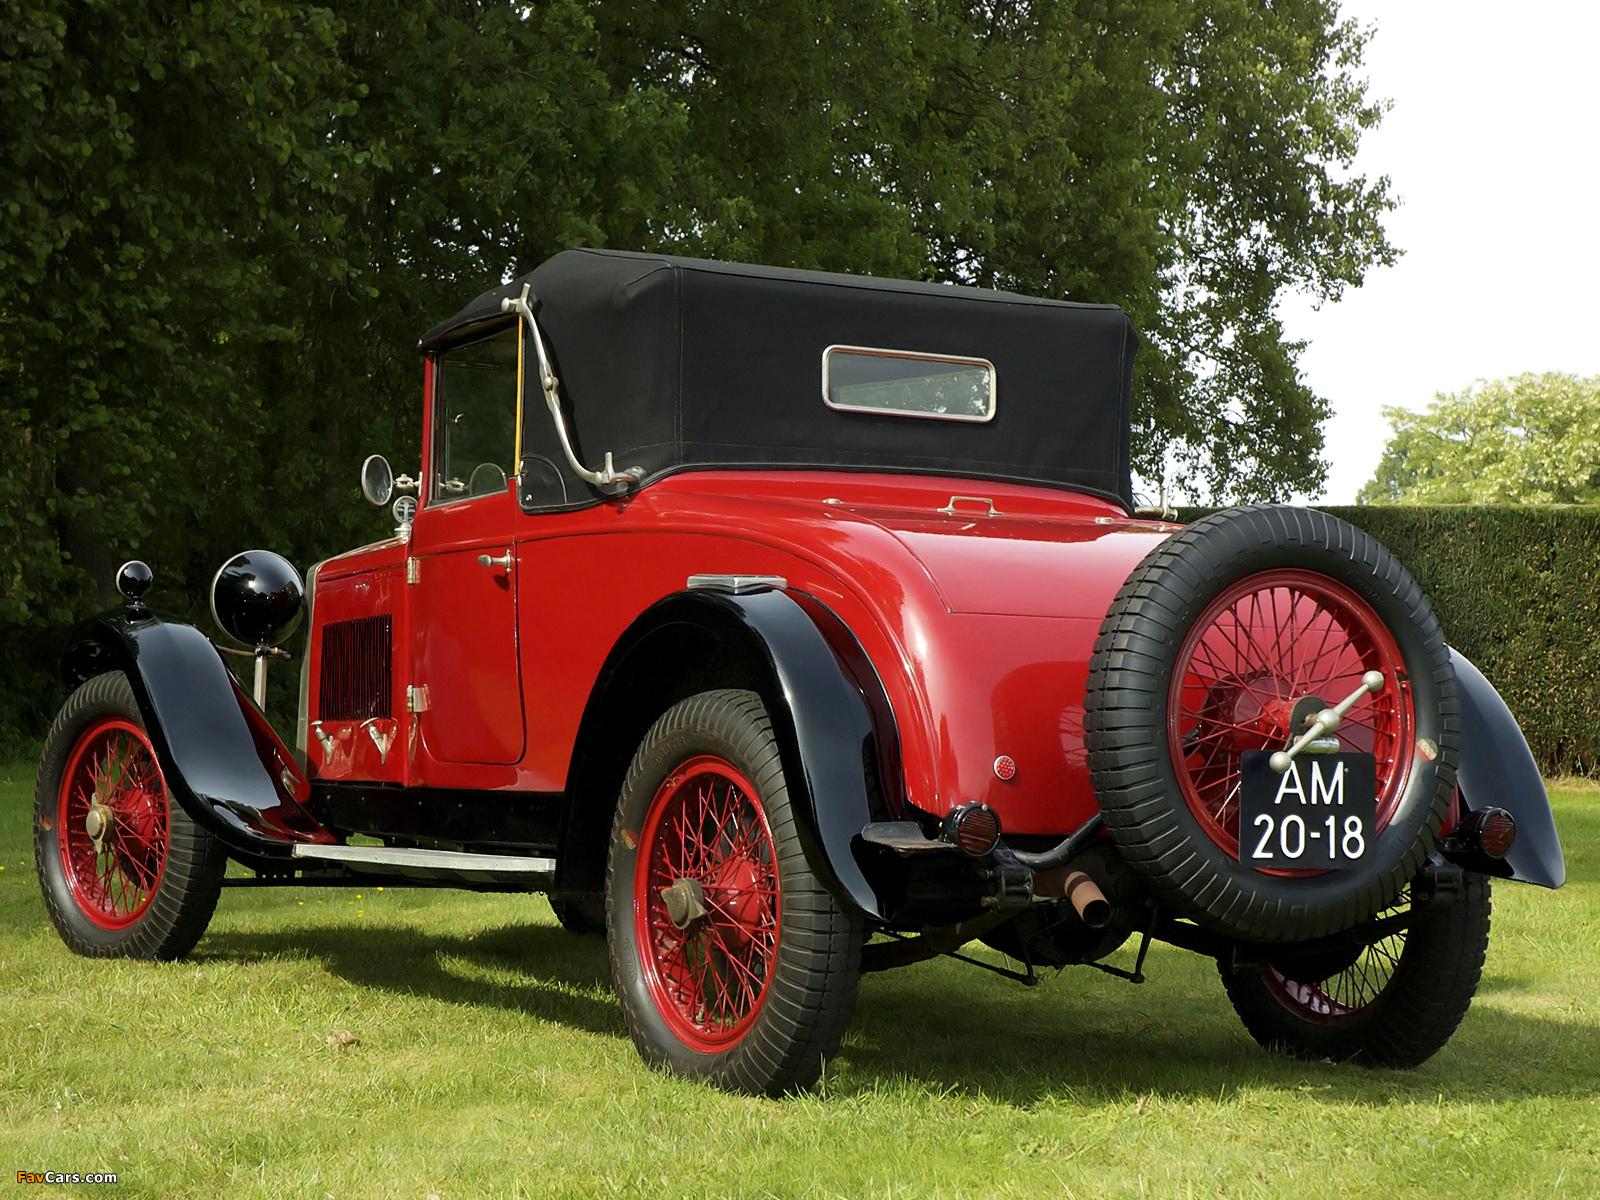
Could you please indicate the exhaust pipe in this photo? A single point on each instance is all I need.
(1080, 891)
(1087, 900)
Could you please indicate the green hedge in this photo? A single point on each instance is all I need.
(1517, 590)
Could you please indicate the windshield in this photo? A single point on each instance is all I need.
(475, 421)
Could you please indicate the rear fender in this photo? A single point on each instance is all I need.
(219, 755)
(838, 763)
(1497, 769)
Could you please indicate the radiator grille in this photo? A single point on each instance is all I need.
(356, 666)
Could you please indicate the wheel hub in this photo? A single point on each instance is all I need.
(97, 822)
(1254, 711)
(738, 895)
(685, 901)
(1305, 711)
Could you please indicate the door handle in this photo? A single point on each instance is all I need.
(504, 561)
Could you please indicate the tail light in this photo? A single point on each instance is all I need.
(1494, 831)
(973, 827)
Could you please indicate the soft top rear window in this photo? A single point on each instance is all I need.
(908, 383)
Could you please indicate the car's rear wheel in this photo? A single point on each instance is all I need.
(732, 960)
(1393, 1004)
(125, 872)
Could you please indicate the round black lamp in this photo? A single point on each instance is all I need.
(133, 581)
(257, 598)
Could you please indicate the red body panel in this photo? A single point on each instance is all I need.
(464, 630)
(360, 584)
(979, 626)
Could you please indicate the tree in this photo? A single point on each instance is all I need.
(223, 226)
(1187, 159)
(1532, 439)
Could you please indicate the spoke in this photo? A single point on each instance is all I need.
(721, 1003)
(729, 919)
(1264, 659)
(1230, 798)
(1284, 649)
(1323, 651)
(1302, 672)
(1294, 629)
(1328, 627)
(1241, 660)
(735, 960)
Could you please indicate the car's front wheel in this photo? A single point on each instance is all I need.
(1392, 1004)
(124, 870)
(731, 958)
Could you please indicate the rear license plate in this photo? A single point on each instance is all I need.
(1318, 815)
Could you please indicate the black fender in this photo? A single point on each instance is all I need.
(220, 757)
(1497, 769)
(838, 762)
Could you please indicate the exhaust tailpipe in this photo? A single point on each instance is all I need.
(1082, 892)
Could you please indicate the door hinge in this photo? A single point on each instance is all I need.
(413, 570)
(417, 698)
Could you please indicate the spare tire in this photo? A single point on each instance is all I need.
(1207, 649)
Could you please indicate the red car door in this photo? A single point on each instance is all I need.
(467, 685)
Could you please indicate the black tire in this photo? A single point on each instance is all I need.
(1431, 975)
(172, 916)
(584, 915)
(1192, 872)
(811, 961)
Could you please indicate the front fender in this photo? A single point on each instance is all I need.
(1497, 768)
(219, 756)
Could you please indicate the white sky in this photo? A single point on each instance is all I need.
(1493, 147)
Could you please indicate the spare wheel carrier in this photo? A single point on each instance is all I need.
(1209, 647)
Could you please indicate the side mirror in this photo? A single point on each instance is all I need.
(377, 480)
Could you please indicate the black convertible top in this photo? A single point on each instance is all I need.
(673, 363)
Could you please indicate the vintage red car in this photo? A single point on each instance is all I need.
(783, 626)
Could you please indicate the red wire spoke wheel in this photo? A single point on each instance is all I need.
(732, 960)
(1392, 1003)
(1344, 994)
(112, 822)
(124, 870)
(1252, 658)
(709, 960)
(1223, 640)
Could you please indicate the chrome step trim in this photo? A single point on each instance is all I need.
(432, 860)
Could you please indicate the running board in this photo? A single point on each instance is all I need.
(432, 864)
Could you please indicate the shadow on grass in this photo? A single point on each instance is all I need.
(946, 1029)
(1178, 1039)
(543, 972)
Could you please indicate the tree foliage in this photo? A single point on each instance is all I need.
(1187, 159)
(1533, 439)
(222, 226)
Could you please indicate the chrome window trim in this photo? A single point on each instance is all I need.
(921, 356)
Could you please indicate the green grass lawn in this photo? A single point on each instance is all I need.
(493, 1062)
